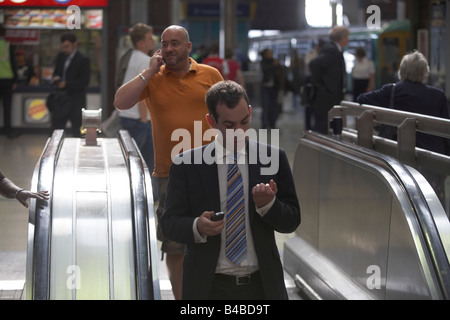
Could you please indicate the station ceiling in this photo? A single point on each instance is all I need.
(280, 15)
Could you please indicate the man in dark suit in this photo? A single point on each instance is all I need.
(213, 267)
(71, 77)
(328, 77)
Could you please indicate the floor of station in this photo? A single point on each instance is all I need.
(18, 158)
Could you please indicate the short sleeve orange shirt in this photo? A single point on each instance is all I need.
(176, 102)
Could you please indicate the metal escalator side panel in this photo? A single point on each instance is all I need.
(409, 263)
(140, 223)
(29, 269)
(89, 278)
(39, 226)
(320, 279)
(319, 213)
(153, 245)
(145, 265)
(438, 212)
(308, 196)
(92, 243)
(427, 226)
(437, 229)
(408, 210)
(343, 223)
(121, 225)
(63, 239)
(29, 287)
(429, 211)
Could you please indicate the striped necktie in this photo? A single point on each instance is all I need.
(236, 243)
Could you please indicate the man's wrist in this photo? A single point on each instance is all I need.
(199, 238)
(145, 75)
(142, 77)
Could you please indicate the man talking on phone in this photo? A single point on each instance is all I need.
(173, 88)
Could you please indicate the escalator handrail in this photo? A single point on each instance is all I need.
(422, 212)
(144, 284)
(43, 220)
(425, 124)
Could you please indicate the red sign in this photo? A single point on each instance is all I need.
(54, 3)
(22, 36)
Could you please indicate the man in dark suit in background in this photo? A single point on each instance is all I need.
(328, 77)
(219, 262)
(71, 78)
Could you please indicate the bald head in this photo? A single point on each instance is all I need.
(180, 29)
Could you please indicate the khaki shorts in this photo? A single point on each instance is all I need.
(167, 246)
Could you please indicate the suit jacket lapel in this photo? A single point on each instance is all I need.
(253, 174)
(210, 180)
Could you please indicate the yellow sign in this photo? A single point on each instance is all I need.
(37, 110)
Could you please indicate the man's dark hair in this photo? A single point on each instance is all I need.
(228, 92)
(68, 37)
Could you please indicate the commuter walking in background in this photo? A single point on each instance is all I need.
(235, 258)
(71, 79)
(173, 87)
(214, 60)
(8, 82)
(235, 70)
(136, 119)
(328, 75)
(363, 74)
(308, 90)
(272, 77)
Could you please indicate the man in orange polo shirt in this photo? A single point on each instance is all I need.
(174, 88)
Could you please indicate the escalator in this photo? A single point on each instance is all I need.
(372, 228)
(95, 237)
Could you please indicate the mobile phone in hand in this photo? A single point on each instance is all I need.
(217, 216)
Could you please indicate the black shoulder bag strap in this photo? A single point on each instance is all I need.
(391, 103)
(386, 131)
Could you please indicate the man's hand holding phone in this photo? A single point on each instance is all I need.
(206, 226)
(217, 216)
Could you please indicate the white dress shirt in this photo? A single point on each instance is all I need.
(250, 263)
(67, 64)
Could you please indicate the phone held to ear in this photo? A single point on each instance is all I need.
(217, 216)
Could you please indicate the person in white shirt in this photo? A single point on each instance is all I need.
(363, 74)
(137, 120)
